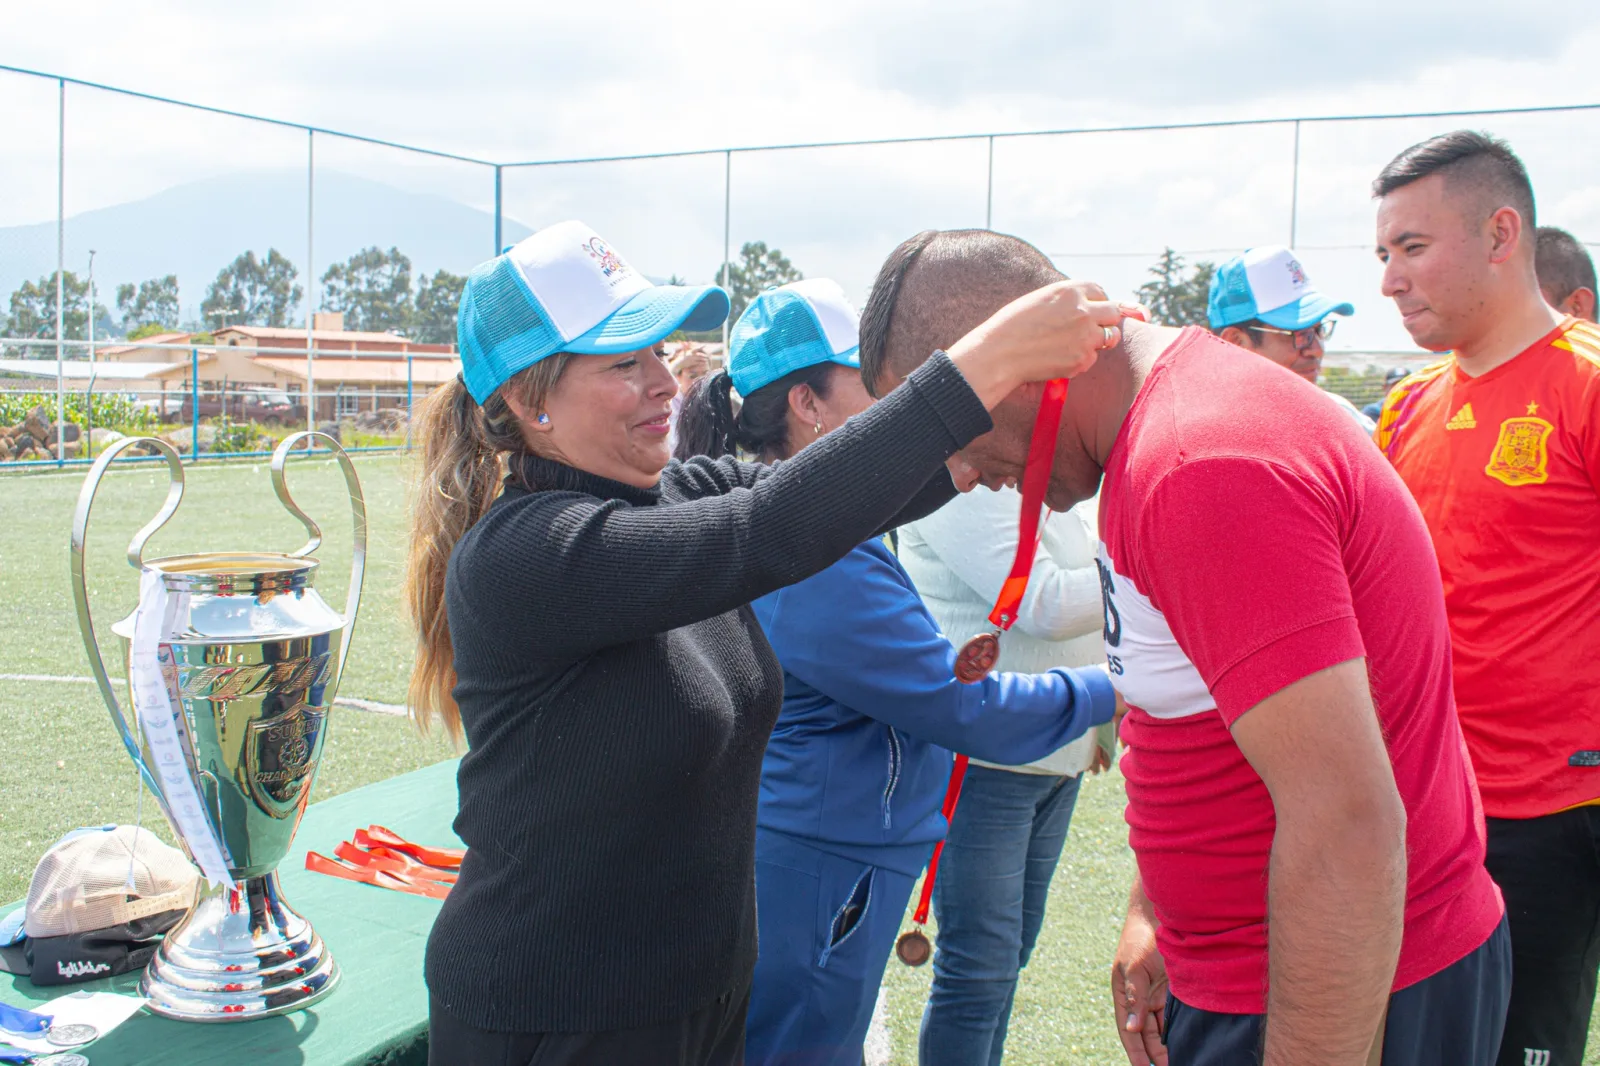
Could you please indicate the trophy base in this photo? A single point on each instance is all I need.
(240, 954)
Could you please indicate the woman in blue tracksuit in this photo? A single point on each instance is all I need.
(856, 770)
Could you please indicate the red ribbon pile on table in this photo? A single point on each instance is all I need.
(384, 859)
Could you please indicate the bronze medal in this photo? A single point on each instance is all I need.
(977, 657)
(913, 948)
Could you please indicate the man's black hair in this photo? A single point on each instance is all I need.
(1480, 165)
(1563, 265)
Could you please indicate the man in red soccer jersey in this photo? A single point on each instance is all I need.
(1310, 845)
(1500, 445)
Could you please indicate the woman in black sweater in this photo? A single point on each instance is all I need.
(585, 624)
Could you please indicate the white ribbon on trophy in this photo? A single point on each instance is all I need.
(159, 707)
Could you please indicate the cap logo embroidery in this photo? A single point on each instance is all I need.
(1297, 273)
(80, 969)
(610, 263)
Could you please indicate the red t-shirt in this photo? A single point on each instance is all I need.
(1251, 536)
(1506, 469)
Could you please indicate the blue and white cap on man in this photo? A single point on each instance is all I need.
(565, 289)
(789, 328)
(1268, 285)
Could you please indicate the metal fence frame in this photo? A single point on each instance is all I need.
(498, 167)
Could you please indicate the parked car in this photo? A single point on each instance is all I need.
(274, 407)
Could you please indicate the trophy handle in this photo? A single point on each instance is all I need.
(358, 515)
(80, 586)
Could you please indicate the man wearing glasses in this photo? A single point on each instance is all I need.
(1263, 302)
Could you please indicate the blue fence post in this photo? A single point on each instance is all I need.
(409, 391)
(194, 399)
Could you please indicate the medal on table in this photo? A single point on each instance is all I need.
(977, 656)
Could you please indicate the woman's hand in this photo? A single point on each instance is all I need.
(1053, 332)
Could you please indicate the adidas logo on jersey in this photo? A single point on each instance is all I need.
(1462, 419)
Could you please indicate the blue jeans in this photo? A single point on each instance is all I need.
(989, 900)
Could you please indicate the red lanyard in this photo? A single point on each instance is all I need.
(1035, 479)
(384, 859)
(977, 657)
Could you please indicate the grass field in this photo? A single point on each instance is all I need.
(61, 765)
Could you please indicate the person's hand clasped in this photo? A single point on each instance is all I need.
(1139, 992)
(1053, 332)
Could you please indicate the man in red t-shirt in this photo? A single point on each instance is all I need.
(1308, 833)
(1500, 444)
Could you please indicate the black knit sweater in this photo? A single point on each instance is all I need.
(617, 695)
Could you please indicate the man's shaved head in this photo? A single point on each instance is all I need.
(1480, 171)
(1564, 267)
(934, 289)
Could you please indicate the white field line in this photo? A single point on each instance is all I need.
(370, 706)
(875, 1051)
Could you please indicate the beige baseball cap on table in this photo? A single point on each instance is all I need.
(98, 903)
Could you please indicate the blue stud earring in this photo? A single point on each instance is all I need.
(544, 420)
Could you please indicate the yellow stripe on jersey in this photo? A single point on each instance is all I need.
(1389, 414)
(1583, 340)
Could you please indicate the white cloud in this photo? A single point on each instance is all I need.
(540, 81)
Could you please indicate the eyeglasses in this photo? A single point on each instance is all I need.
(1302, 337)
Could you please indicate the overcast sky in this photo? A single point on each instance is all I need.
(540, 81)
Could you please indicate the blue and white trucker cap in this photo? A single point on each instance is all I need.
(786, 329)
(1268, 285)
(565, 289)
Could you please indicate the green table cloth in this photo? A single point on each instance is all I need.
(378, 1014)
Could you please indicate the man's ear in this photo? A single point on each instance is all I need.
(1505, 230)
(1235, 335)
(1581, 303)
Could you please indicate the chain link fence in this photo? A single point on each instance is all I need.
(119, 205)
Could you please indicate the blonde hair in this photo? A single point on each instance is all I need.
(462, 461)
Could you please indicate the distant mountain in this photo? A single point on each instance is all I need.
(194, 230)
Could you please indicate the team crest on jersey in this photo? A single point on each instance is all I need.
(1520, 456)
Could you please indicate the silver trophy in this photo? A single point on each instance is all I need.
(248, 660)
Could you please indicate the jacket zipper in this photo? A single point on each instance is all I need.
(894, 776)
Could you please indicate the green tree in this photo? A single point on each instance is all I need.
(1176, 297)
(150, 303)
(759, 268)
(253, 292)
(33, 310)
(433, 312)
(372, 288)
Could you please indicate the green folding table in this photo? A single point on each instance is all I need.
(379, 1013)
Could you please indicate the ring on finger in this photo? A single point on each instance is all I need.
(1110, 337)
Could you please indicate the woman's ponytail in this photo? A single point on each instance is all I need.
(708, 424)
(458, 478)
(706, 421)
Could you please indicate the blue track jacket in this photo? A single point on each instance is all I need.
(861, 754)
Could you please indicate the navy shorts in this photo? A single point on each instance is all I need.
(1453, 1018)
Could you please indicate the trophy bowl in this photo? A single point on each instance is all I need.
(250, 657)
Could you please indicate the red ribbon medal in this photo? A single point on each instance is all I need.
(977, 656)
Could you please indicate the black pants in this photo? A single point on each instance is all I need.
(1549, 872)
(712, 1036)
(1453, 1018)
